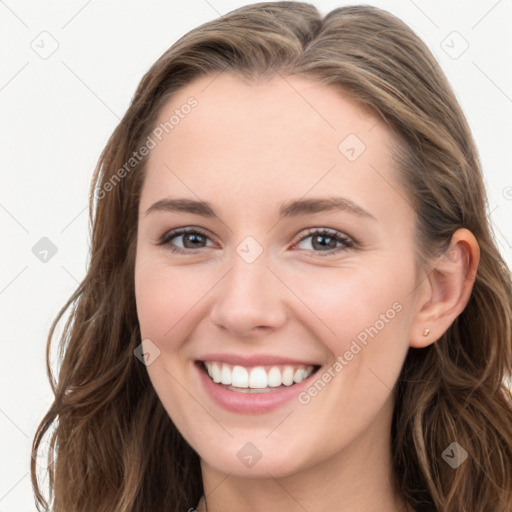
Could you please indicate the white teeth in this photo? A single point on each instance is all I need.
(298, 376)
(287, 376)
(274, 377)
(215, 372)
(257, 377)
(240, 377)
(225, 375)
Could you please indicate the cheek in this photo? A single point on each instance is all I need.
(361, 316)
(354, 302)
(164, 295)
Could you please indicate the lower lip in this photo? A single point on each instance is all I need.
(250, 403)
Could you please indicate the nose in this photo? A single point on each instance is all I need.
(249, 300)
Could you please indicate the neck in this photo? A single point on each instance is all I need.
(356, 479)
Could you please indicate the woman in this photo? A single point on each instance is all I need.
(294, 301)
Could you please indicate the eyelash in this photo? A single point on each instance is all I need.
(347, 242)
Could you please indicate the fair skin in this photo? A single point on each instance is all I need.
(246, 148)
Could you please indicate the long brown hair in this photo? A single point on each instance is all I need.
(115, 447)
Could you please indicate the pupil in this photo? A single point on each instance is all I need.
(331, 244)
(193, 238)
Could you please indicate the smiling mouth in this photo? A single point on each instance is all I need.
(256, 379)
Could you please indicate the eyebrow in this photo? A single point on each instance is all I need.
(287, 209)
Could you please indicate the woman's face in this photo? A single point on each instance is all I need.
(298, 256)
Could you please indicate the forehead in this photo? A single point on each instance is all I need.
(280, 112)
(285, 135)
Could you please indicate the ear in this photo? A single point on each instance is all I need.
(446, 289)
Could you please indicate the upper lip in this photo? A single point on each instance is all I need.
(255, 360)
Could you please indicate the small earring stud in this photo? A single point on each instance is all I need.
(426, 332)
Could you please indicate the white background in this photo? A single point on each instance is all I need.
(58, 112)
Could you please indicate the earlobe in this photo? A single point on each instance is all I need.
(449, 284)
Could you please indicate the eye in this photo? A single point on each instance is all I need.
(326, 241)
(191, 238)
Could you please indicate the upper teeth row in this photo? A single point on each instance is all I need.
(257, 377)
